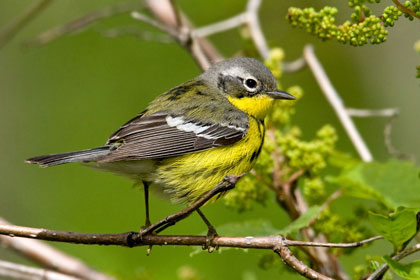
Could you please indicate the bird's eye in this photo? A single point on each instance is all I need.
(250, 84)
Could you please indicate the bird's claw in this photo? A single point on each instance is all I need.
(211, 234)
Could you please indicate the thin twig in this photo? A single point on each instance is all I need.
(49, 257)
(141, 34)
(83, 22)
(220, 26)
(294, 66)
(321, 257)
(383, 268)
(249, 18)
(180, 30)
(253, 22)
(327, 203)
(10, 270)
(388, 141)
(367, 113)
(8, 32)
(404, 9)
(390, 113)
(331, 245)
(165, 12)
(146, 19)
(337, 104)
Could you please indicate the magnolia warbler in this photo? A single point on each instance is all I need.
(189, 138)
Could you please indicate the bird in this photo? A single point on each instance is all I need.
(190, 137)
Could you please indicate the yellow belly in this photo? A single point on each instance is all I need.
(188, 177)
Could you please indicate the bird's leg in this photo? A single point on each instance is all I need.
(211, 233)
(146, 202)
(226, 184)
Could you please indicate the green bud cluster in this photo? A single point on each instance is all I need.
(390, 15)
(310, 156)
(341, 229)
(360, 12)
(363, 28)
(321, 24)
(274, 62)
(366, 28)
(413, 5)
(354, 3)
(247, 191)
(370, 30)
(313, 189)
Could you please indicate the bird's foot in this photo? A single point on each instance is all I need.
(211, 234)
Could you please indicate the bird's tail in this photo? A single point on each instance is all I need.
(80, 156)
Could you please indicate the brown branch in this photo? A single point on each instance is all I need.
(129, 239)
(10, 270)
(82, 22)
(8, 32)
(49, 257)
(288, 257)
(404, 9)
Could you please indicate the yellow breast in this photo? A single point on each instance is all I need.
(189, 176)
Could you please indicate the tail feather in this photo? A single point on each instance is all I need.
(80, 156)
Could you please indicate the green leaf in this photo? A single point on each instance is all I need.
(303, 221)
(406, 271)
(398, 227)
(393, 183)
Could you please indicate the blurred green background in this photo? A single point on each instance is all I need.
(74, 92)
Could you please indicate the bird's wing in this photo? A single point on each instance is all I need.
(162, 135)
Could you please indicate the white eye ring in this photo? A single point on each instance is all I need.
(251, 84)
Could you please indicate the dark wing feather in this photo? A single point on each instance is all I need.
(152, 137)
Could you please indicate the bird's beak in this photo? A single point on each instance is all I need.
(278, 94)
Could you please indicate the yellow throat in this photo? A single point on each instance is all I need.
(257, 106)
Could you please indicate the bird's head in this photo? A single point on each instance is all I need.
(247, 83)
